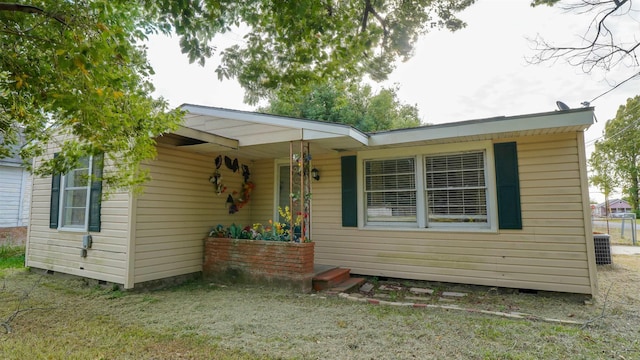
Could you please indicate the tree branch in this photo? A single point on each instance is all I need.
(601, 47)
(365, 16)
(368, 9)
(30, 9)
(7, 322)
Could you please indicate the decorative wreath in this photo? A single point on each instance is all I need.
(216, 180)
(243, 199)
(244, 195)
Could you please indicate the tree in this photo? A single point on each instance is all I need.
(77, 68)
(602, 167)
(604, 45)
(355, 105)
(619, 152)
(72, 77)
(290, 44)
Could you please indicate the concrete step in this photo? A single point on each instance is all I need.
(348, 285)
(330, 278)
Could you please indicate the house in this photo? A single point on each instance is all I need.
(616, 206)
(15, 191)
(499, 202)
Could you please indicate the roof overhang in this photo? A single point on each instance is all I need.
(490, 128)
(254, 135)
(257, 135)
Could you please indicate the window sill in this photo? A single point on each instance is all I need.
(413, 228)
(70, 229)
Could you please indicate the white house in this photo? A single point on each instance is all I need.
(15, 197)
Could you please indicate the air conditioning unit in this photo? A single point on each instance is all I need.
(602, 246)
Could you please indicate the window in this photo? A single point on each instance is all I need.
(390, 190)
(284, 189)
(471, 185)
(456, 188)
(75, 198)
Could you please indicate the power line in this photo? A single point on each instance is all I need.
(632, 109)
(615, 87)
(614, 135)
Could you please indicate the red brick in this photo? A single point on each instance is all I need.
(261, 259)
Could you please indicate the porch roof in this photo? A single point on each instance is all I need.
(255, 135)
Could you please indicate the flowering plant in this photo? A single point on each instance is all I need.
(273, 231)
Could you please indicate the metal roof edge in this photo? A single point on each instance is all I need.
(500, 124)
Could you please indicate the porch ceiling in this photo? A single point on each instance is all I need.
(255, 136)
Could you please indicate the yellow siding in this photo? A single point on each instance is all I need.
(59, 251)
(176, 211)
(262, 174)
(551, 252)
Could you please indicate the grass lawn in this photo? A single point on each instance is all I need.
(53, 323)
(11, 256)
(72, 318)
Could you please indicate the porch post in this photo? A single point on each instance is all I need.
(302, 190)
(307, 202)
(303, 166)
(291, 232)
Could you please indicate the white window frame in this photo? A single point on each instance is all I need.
(483, 224)
(400, 220)
(420, 152)
(63, 190)
(276, 186)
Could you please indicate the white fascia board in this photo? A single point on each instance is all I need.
(359, 136)
(484, 127)
(205, 136)
(320, 135)
(334, 128)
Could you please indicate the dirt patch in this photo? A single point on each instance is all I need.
(13, 235)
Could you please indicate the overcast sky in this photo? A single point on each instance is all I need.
(478, 72)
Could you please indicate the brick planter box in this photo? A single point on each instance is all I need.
(273, 263)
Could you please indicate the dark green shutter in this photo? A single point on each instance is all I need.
(508, 185)
(96, 193)
(54, 207)
(349, 192)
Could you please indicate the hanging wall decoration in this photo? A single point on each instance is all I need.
(237, 199)
(245, 173)
(216, 177)
(244, 195)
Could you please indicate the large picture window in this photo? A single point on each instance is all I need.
(456, 188)
(466, 186)
(433, 186)
(390, 190)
